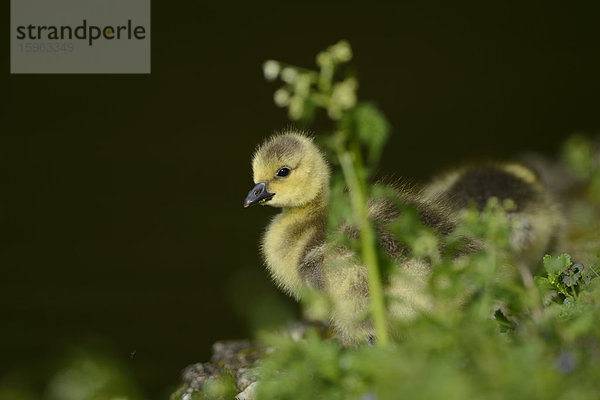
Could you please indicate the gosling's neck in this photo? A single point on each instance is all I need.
(289, 240)
(314, 208)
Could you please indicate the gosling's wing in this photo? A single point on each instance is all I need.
(401, 200)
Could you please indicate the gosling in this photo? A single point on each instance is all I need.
(291, 173)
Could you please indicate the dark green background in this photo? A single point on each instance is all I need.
(120, 206)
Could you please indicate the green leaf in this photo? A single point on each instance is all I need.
(543, 283)
(372, 129)
(553, 265)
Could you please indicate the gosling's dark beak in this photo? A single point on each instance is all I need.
(258, 194)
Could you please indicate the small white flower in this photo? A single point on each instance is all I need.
(281, 97)
(324, 59)
(302, 87)
(341, 51)
(271, 70)
(344, 93)
(289, 75)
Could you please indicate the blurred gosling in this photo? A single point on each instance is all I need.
(536, 216)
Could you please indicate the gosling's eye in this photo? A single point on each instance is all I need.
(283, 172)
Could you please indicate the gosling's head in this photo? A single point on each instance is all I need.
(289, 171)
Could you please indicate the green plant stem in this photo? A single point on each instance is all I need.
(351, 162)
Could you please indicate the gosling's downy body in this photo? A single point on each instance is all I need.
(291, 173)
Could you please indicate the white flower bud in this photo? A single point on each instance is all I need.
(271, 70)
(281, 97)
(289, 75)
(341, 51)
(344, 93)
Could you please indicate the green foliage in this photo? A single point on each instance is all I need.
(565, 279)
(483, 339)
(221, 388)
(85, 373)
(88, 376)
(370, 128)
(311, 364)
(450, 354)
